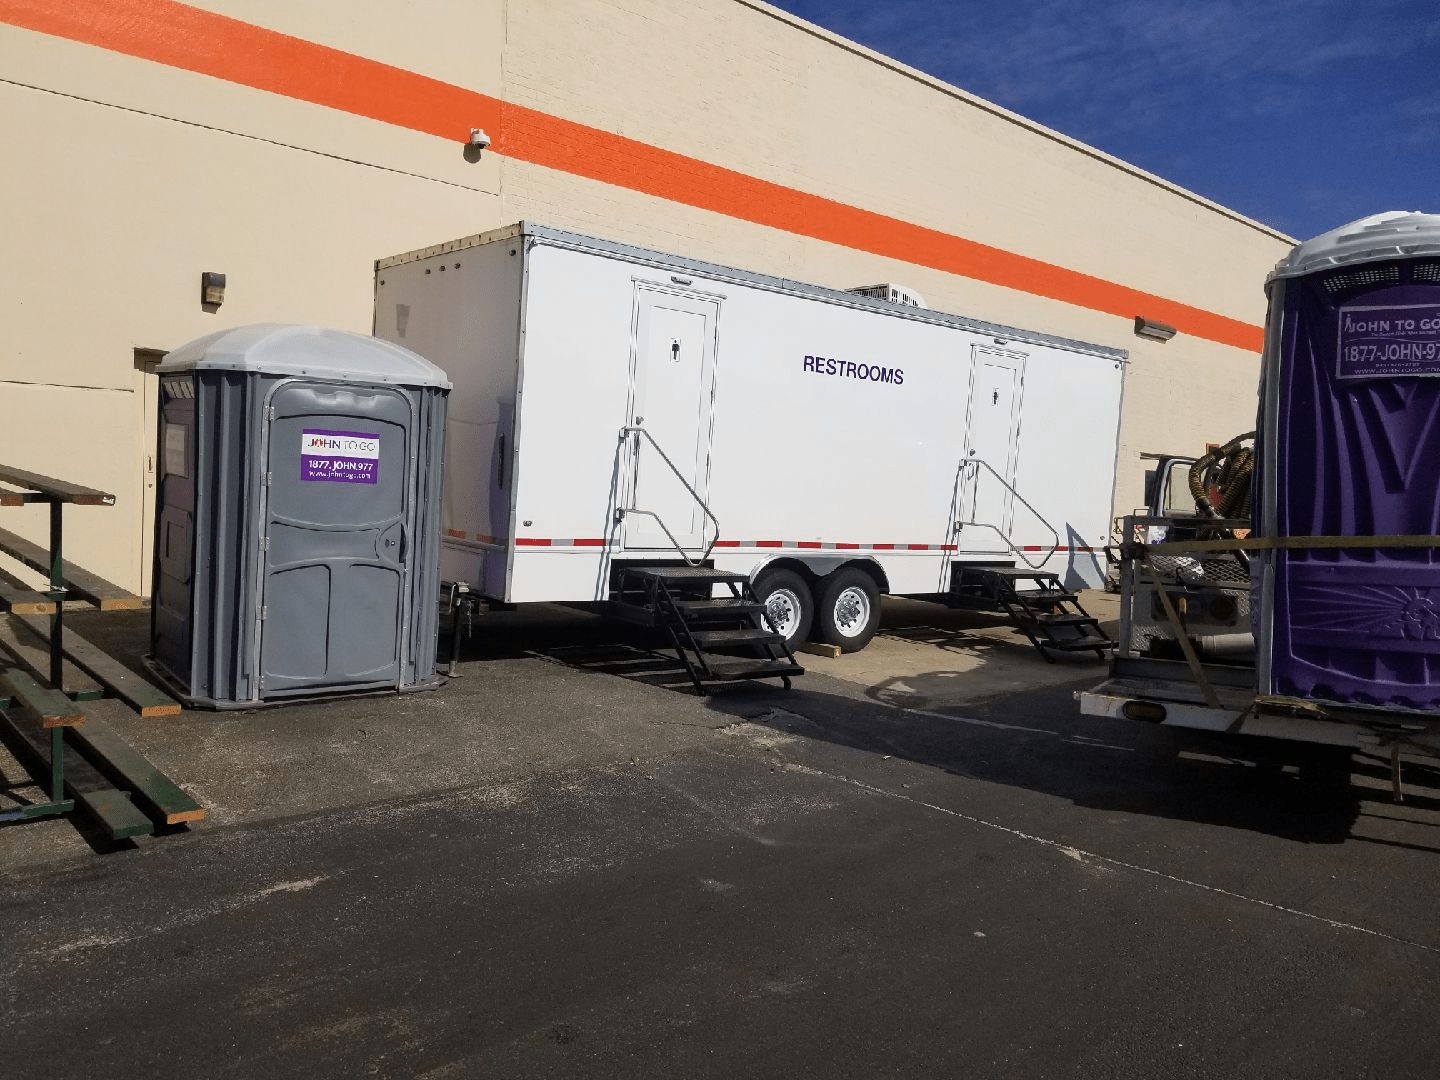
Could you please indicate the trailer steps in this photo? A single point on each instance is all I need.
(679, 599)
(1049, 616)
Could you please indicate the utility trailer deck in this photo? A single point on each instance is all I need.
(1316, 618)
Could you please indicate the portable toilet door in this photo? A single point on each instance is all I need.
(338, 528)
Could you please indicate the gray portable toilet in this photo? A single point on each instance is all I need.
(297, 517)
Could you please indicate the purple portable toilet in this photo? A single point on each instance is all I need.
(1349, 446)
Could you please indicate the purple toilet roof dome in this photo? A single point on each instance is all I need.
(1395, 234)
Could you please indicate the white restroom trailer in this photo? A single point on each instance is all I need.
(614, 406)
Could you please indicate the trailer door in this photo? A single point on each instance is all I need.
(673, 380)
(993, 441)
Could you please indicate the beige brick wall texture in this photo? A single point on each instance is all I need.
(137, 174)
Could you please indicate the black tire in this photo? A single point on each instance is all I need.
(791, 604)
(848, 611)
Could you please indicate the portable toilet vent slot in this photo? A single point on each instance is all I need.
(297, 517)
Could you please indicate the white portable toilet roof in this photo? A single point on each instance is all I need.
(1396, 234)
(313, 351)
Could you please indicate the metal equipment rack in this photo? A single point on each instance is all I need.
(93, 769)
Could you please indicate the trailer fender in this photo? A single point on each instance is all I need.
(816, 567)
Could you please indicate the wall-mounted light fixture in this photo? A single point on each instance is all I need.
(212, 289)
(1156, 331)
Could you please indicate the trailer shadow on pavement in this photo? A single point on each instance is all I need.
(1036, 740)
(998, 712)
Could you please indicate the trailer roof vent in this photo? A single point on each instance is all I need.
(896, 294)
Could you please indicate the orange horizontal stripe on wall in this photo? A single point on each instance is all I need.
(185, 37)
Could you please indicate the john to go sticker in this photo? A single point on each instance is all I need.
(344, 457)
(1385, 342)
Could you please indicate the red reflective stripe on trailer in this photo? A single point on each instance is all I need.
(817, 545)
(532, 541)
(589, 541)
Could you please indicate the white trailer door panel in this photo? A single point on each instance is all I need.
(987, 497)
(673, 378)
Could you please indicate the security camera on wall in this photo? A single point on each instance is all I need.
(478, 139)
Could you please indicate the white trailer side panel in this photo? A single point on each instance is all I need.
(814, 425)
(575, 389)
(462, 311)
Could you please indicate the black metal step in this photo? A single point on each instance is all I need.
(681, 600)
(683, 575)
(1040, 619)
(1038, 605)
(729, 668)
(727, 639)
(1048, 596)
(723, 606)
(1011, 573)
(1079, 644)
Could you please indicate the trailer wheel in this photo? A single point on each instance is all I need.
(788, 602)
(849, 610)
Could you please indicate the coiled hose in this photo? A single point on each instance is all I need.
(1229, 471)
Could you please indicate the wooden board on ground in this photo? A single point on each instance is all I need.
(125, 684)
(27, 653)
(95, 796)
(89, 587)
(18, 597)
(819, 648)
(47, 708)
(127, 768)
(25, 602)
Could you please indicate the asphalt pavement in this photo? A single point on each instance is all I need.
(922, 861)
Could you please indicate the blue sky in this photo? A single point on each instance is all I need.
(1302, 114)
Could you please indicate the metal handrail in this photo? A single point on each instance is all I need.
(620, 512)
(996, 529)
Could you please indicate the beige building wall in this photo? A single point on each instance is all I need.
(138, 175)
